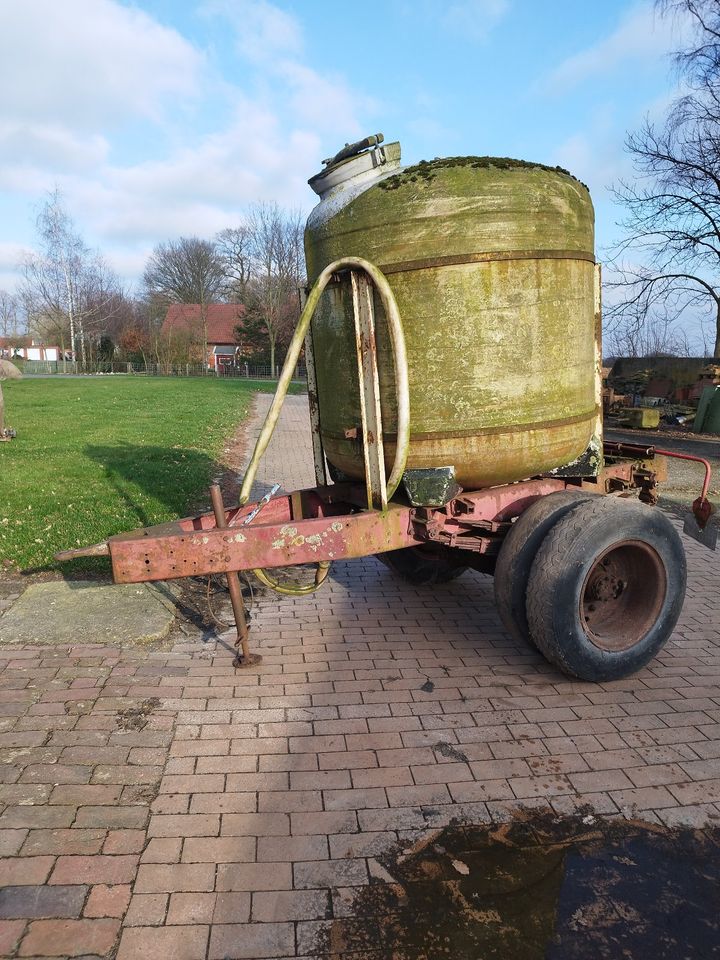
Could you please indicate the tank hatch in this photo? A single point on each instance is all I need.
(363, 157)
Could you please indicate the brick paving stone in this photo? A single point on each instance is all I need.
(251, 877)
(146, 909)
(85, 794)
(218, 849)
(223, 803)
(37, 817)
(108, 901)
(257, 825)
(330, 873)
(358, 798)
(56, 773)
(251, 941)
(27, 870)
(291, 905)
(51, 938)
(599, 780)
(191, 908)
(644, 798)
(326, 821)
(94, 869)
(10, 933)
(283, 849)
(110, 818)
(124, 841)
(11, 841)
(162, 850)
(190, 825)
(703, 791)
(366, 844)
(171, 877)
(232, 907)
(65, 840)
(41, 901)
(164, 943)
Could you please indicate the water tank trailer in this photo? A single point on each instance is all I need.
(452, 333)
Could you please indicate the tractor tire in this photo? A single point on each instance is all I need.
(518, 550)
(606, 588)
(424, 565)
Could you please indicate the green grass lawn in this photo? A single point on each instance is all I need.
(98, 456)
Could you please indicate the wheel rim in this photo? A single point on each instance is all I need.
(622, 595)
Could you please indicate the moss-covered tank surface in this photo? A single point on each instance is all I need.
(491, 265)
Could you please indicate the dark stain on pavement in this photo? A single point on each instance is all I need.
(541, 888)
(135, 718)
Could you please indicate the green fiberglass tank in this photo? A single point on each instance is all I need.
(491, 262)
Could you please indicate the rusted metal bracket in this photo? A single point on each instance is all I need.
(318, 453)
(366, 351)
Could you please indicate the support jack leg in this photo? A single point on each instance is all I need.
(243, 658)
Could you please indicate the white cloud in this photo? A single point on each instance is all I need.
(474, 18)
(30, 144)
(262, 30)
(642, 35)
(90, 70)
(468, 19)
(272, 41)
(324, 102)
(90, 63)
(202, 187)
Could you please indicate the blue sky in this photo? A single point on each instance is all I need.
(163, 118)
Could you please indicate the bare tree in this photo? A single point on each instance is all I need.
(234, 246)
(668, 263)
(188, 270)
(277, 269)
(9, 314)
(68, 290)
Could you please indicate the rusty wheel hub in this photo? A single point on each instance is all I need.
(622, 595)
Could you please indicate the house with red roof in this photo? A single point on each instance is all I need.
(222, 318)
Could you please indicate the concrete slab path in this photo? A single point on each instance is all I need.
(161, 804)
(78, 611)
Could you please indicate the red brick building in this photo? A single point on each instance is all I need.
(222, 318)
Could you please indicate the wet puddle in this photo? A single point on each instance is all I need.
(542, 888)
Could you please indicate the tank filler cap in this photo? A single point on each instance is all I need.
(352, 149)
(369, 157)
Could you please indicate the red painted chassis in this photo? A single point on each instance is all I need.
(333, 523)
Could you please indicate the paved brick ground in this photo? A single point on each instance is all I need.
(161, 805)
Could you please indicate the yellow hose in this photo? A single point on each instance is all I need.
(295, 590)
(397, 338)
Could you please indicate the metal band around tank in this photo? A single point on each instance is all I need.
(490, 257)
(482, 431)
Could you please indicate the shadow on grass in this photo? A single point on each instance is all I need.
(142, 479)
(176, 477)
